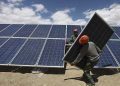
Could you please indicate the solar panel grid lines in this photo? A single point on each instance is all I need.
(58, 31)
(43, 46)
(10, 30)
(115, 49)
(5, 28)
(117, 36)
(66, 33)
(2, 40)
(33, 31)
(8, 50)
(29, 53)
(20, 49)
(25, 31)
(104, 61)
(113, 55)
(18, 30)
(9, 38)
(117, 31)
(114, 36)
(53, 53)
(41, 31)
(2, 26)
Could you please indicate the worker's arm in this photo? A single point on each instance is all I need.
(78, 59)
(71, 40)
(98, 49)
(80, 56)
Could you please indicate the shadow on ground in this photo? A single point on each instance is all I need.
(97, 73)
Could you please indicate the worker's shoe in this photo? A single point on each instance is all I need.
(89, 84)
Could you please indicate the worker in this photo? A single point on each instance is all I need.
(74, 36)
(72, 39)
(90, 52)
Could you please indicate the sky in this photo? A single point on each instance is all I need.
(77, 12)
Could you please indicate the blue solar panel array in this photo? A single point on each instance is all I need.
(30, 44)
(44, 45)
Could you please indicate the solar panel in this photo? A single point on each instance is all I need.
(3, 26)
(25, 31)
(53, 53)
(58, 31)
(70, 29)
(28, 55)
(106, 59)
(2, 40)
(114, 36)
(10, 30)
(115, 48)
(41, 31)
(9, 49)
(117, 31)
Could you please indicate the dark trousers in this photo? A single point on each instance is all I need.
(87, 68)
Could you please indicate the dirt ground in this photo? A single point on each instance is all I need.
(71, 77)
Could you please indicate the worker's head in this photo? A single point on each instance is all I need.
(75, 32)
(84, 39)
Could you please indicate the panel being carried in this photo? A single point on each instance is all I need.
(99, 33)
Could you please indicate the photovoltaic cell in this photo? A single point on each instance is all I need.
(2, 40)
(114, 36)
(29, 53)
(117, 30)
(25, 31)
(2, 26)
(10, 30)
(53, 53)
(9, 49)
(41, 31)
(58, 31)
(115, 48)
(70, 29)
(106, 59)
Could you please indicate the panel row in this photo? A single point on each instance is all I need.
(32, 51)
(55, 31)
(110, 58)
